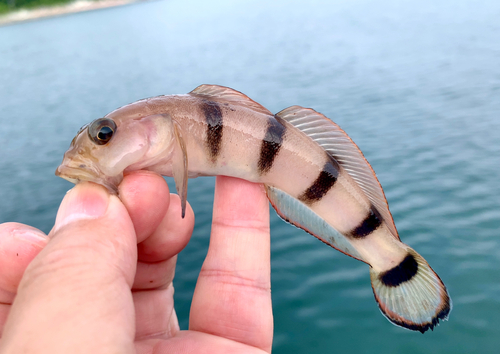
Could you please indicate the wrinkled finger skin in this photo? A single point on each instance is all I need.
(237, 270)
(231, 311)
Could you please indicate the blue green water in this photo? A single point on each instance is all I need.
(415, 83)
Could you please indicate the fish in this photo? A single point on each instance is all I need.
(315, 177)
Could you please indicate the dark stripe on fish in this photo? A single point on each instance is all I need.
(372, 222)
(270, 145)
(400, 273)
(322, 184)
(213, 116)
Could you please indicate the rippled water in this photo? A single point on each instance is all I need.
(415, 83)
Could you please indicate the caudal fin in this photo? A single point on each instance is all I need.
(411, 295)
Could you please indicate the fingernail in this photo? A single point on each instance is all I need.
(34, 237)
(84, 201)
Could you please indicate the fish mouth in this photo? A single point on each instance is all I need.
(77, 175)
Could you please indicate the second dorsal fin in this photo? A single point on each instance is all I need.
(222, 93)
(338, 144)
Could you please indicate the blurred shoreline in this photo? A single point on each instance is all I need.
(22, 15)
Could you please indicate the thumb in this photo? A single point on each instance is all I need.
(75, 295)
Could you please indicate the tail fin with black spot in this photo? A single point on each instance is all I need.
(411, 295)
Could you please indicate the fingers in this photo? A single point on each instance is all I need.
(195, 342)
(171, 236)
(19, 244)
(161, 231)
(162, 234)
(232, 297)
(78, 285)
(155, 314)
(83, 238)
(94, 241)
(146, 197)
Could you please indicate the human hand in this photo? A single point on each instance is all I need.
(101, 282)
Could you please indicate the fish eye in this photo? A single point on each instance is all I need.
(101, 130)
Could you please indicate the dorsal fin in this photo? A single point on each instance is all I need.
(221, 93)
(338, 144)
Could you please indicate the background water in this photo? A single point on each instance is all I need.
(415, 83)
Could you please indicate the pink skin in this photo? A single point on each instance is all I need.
(101, 282)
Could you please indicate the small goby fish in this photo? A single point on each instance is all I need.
(315, 177)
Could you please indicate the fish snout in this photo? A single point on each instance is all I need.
(74, 170)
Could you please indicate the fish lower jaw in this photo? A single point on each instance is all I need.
(77, 175)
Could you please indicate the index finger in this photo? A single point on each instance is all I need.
(232, 298)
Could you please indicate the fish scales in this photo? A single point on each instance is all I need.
(331, 193)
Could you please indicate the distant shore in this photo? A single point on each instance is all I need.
(49, 11)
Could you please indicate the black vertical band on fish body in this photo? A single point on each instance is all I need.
(323, 183)
(213, 116)
(271, 144)
(401, 273)
(369, 224)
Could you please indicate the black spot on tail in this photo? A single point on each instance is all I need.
(325, 181)
(213, 116)
(400, 273)
(369, 224)
(270, 145)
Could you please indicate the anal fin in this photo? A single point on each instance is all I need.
(300, 215)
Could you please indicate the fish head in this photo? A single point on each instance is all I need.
(107, 147)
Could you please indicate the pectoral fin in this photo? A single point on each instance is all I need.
(180, 167)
